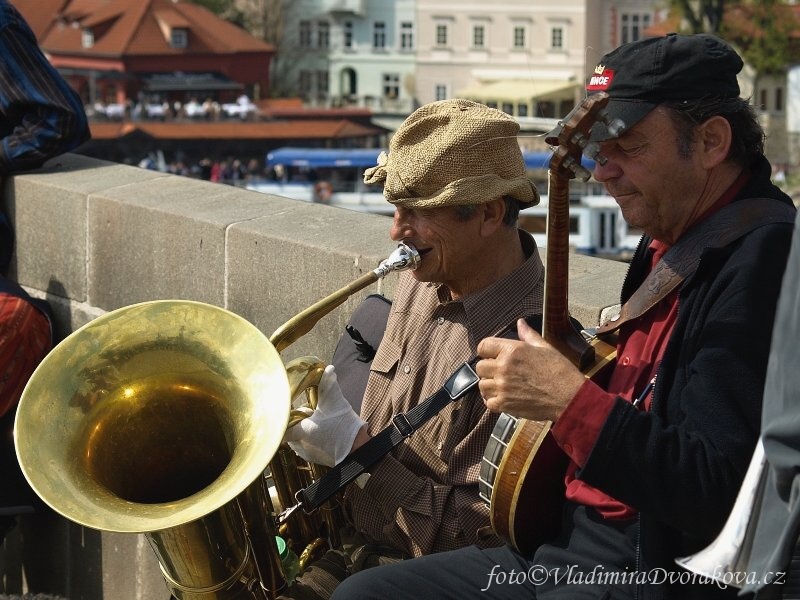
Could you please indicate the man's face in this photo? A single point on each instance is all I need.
(446, 242)
(657, 189)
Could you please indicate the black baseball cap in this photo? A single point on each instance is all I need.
(641, 75)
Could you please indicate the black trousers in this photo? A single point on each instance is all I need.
(588, 562)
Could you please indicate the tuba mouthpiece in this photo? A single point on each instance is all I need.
(404, 257)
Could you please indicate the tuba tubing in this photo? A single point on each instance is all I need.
(161, 418)
(725, 559)
(289, 473)
(404, 257)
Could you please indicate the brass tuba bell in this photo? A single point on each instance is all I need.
(159, 418)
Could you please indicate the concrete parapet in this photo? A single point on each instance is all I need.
(93, 236)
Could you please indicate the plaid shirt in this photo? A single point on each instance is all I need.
(24, 342)
(423, 497)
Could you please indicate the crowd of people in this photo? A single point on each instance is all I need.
(232, 171)
(238, 171)
(656, 449)
(154, 108)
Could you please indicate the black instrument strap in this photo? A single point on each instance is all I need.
(402, 426)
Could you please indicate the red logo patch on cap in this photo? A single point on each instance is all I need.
(600, 80)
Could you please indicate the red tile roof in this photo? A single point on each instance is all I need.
(39, 14)
(131, 27)
(266, 130)
(293, 108)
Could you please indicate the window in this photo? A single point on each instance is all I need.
(304, 82)
(546, 109)
(348, 34)
(87, 38)
(391, 85)
(522, 110)
(478, 36)
(557, 38)
(323, 34)
(508, 107)
(779, 99)
(305, 34)
(179, 38)
(322, 82)
(632, 25)
(406, 36)
(519, 36)
(441, 91)
(763, 98)
(379, 35)
(441, 35)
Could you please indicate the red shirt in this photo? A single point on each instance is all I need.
(24, 342)
(640, 349)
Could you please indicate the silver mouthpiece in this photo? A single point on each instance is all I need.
(404, 257)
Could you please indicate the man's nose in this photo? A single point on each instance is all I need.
(608, 169)
(401, 226)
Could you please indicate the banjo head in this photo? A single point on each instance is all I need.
(522, 479)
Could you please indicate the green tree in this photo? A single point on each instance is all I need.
(265, 20)
(763, 32)
(227, 9)
(276, 22)
(219, 7)
(700, 15)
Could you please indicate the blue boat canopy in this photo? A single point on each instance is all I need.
(323, 157)
(314, 158)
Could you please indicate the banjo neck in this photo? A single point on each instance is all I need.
(569, 140)
(557, 328)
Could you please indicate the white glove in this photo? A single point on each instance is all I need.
(325, 438)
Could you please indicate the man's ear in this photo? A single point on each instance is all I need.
(715, 138)
(492, 215)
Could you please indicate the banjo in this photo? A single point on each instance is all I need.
(522, 469)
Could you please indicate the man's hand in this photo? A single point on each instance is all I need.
(528, 378)
(327, 436)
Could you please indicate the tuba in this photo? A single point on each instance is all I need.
(166, 418)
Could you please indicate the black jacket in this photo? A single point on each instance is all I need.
(681, 464)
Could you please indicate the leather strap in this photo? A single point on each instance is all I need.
(681, 260)
(403, 425)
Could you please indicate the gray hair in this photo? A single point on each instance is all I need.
(466, 211)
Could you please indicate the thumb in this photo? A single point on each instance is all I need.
(527, 333)
(329, 383)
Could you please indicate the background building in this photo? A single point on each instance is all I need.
(526, 57)
(123, 51)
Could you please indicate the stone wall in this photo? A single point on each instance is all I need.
(93, 236)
